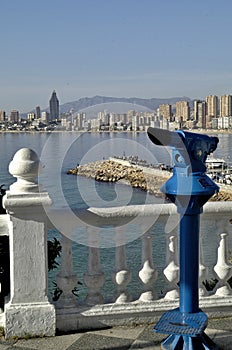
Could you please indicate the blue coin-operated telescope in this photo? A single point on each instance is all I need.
(189, 188)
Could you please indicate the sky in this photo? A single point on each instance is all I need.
(119, 48)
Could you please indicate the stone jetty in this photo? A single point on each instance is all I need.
(114, 171)
(144, 178)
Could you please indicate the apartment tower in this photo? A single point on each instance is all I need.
(225, 106)
(212, 106)
(54, 107)
(165, 110)
(2, 116)
(200, 113)
(182, 111)
(14, 116)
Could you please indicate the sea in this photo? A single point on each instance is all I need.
(61, 151)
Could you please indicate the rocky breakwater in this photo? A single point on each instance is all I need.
(111, 171)
(143, 178)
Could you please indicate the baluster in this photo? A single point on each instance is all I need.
(66, 278)
(171, 272)
(147, 274)
(121, 276)
(94, 279)
(203, 271)
(222, 268)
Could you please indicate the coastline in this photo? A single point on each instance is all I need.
(200, 131)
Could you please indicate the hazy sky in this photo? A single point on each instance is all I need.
(129, 48)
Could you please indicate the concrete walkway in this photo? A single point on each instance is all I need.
(117, 338)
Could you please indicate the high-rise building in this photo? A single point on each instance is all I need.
(135, 122)
(182, 111)
(122, 117)
(45, 116)
(200, 113)
(195, 110)
(14, 116)
(212, 106)
(30, 116)
(225, 106)
(81, 117)
(2, 116)
(54, 107)
(165, 110)
(37, 112)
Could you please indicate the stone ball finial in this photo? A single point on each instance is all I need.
(25, 167)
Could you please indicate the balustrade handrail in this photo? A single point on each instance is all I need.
(98, 216)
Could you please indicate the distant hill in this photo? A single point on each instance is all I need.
(93, 105)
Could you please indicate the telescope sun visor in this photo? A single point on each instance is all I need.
(162, 137)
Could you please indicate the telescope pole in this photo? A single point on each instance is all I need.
(189, 263)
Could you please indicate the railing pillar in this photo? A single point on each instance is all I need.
(66, 278)
(94, 279)
(148, 273)
(171, 271)
(121, 276)
(223, 269)
(203, 271)
(28, 312)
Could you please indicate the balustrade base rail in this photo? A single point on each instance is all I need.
(86, 317)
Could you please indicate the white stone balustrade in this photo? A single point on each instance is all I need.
(28, 310)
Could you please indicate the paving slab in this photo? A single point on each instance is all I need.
(117, 338)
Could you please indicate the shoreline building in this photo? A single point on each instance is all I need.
(199, 114)
(37, 112)
(165, 111)
(30, 116)
(225, 106)
(2, 116)
(212, 106)
(54, 107)
(14, 116)
(182, 112)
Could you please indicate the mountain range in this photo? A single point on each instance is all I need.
(92, 105)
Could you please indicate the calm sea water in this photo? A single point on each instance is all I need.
(62, 151)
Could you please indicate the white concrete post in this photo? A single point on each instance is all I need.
(121, 276)
(28, 312)
(171, 271)
(203, 271)
(94, 278)
(148, 274)
(223, 268)
(66, 278)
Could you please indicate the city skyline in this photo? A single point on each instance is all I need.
(213, 113)
(125, 48)
(214, 102)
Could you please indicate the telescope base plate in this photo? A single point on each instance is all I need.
(186, 331)
(176, 322)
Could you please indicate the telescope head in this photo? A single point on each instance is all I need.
(189, 149)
